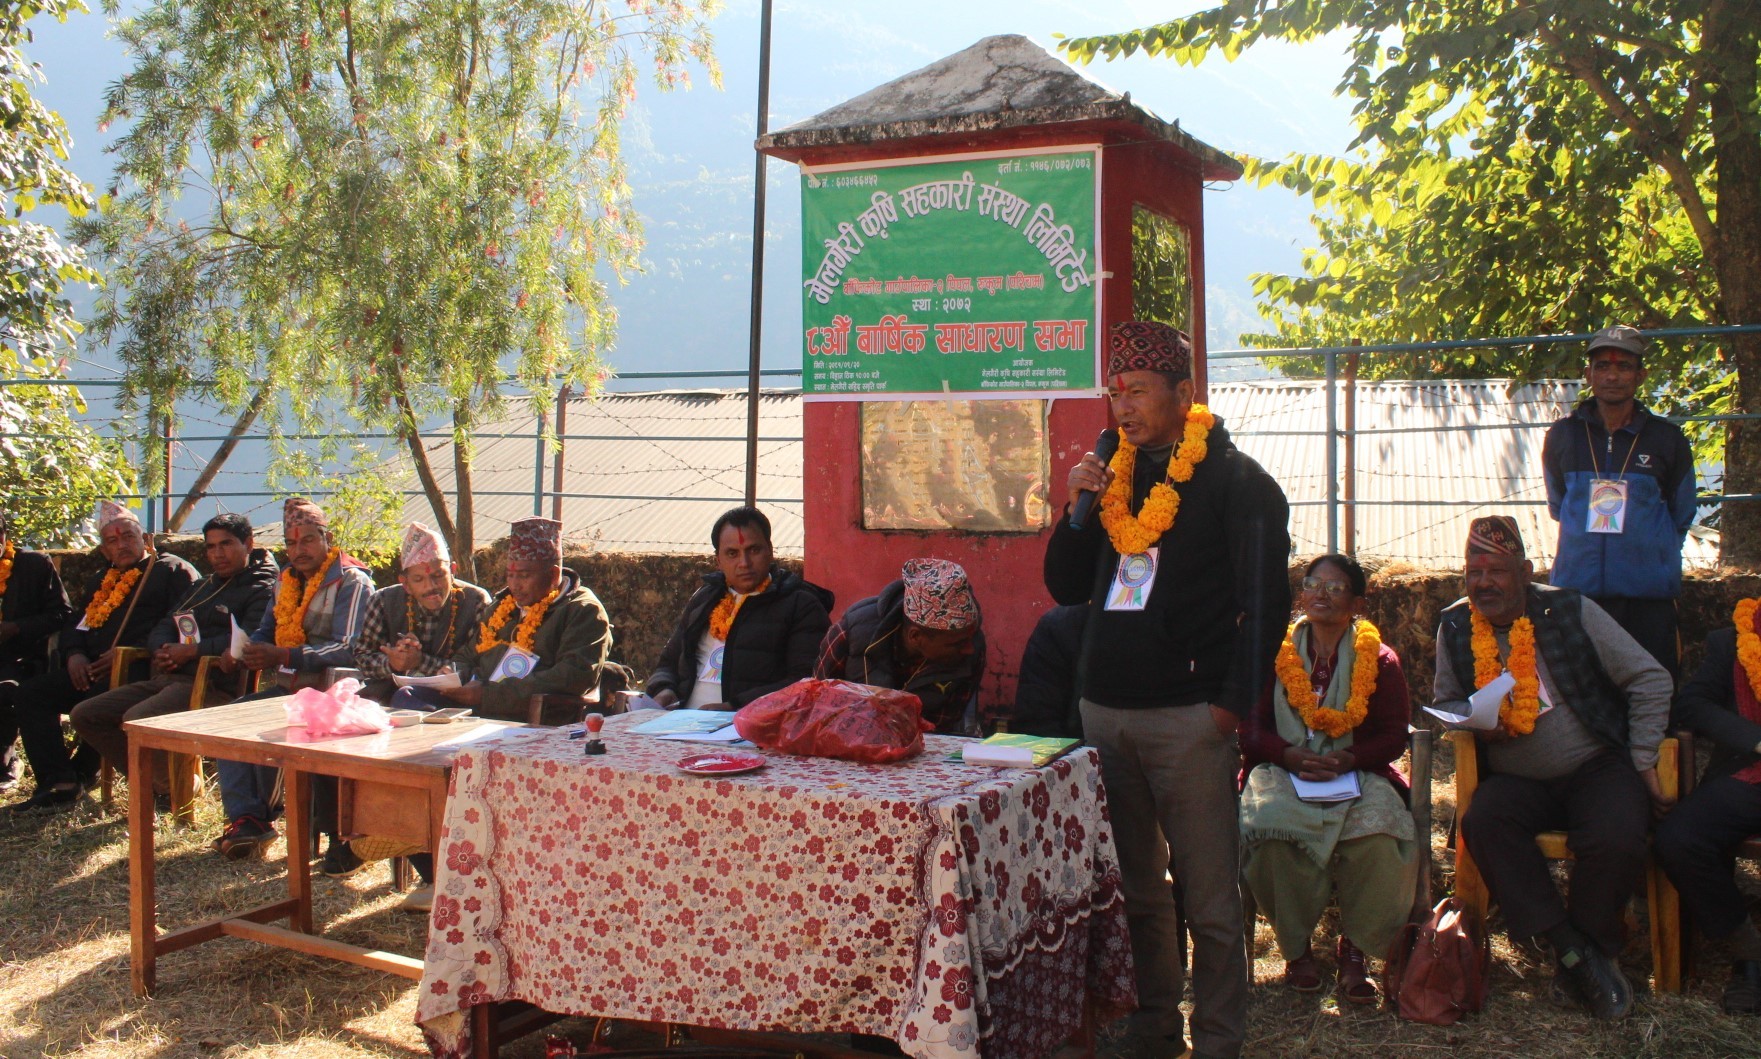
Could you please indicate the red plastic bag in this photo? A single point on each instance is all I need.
(836, 718)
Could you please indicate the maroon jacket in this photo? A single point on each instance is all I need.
(1376, 743)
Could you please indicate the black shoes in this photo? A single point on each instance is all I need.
(1596, 981)
(48, 800)
(339, 860)
(243, 837)
(1742, 994)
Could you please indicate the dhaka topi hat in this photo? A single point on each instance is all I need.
(423, 545)
(1494, 535)
(110, 511)
(1144, 345)
(938, 596)
(536, 540)
(1621, 337)
(297, 512)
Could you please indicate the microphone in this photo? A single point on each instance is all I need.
(1105, 446)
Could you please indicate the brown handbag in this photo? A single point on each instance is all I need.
(1437, 971)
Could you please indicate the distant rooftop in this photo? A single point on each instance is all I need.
(1002, 82)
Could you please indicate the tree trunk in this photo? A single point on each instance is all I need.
(199, 488)
(1731, 42)
(464, 548)
(411, 432)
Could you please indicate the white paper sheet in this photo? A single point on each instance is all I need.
(1340, 788)
(448, 679)
(239, 639)
(993, 754)
(1483, 705)
(720, 735)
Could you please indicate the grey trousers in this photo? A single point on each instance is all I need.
(98, 720)
(1170, 778)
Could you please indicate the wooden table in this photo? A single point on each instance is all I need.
(392, 784)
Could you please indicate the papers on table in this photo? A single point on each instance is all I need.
(727, 734)
(448, 679)
(1483, 705)
(483, 733)
(1013, 750)
(239, 639)
(682, 722)
(1341, 788)
(1002, 756)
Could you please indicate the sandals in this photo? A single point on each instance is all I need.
(1303, 974)
(1354, 974)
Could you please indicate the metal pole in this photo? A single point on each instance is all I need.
(1332, 452)
(562, 417)
(170, 433)
(757, 256)
(537, 457)
(1351, 454)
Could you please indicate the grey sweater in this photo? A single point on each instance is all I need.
(1560, 743)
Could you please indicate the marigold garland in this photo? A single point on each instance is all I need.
(1748, 644)
(527, 632)
(1519, 709)
(6, 555)
(1293, 674)
(116, 586)
(292, 597)
(1130, 533)
(721, 619)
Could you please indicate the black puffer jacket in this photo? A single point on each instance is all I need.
(244, 597)
(772, 644)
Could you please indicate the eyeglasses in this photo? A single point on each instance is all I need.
(1318, 587)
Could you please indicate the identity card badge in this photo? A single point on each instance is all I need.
(187, 630)
(517, 663)
(1132, 580)
(1607, 512)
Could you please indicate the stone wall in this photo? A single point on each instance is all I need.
(645, 593)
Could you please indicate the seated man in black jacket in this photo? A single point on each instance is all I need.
(238, 589)
(122, 603)
(921, 634)
(32, 606)
(1046, 702)
(752, 628)
(1696, 842)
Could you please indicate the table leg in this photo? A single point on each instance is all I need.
(142, 920)
(297, 799)
(483, 1042)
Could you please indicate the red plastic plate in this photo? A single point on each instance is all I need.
(720, 763)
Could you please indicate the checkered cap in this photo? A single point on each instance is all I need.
(537, 540)
(938, 596)
(1144, 345)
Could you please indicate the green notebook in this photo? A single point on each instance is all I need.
(1044, 747)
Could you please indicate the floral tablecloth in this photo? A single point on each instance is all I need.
(963, 911)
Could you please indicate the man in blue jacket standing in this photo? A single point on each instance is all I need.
(1620, 483)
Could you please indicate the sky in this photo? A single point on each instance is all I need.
(691, 163)
(690, 160)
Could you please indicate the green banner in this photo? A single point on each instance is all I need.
(973, 276)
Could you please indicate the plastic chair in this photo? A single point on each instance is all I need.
(1663, 904)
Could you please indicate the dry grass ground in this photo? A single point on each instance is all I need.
(64, 975)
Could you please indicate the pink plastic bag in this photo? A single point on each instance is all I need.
(339, 711)
(836, 718)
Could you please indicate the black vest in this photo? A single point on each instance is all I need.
(1572, 661)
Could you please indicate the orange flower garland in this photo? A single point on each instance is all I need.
(527, 632)
(116, 586)
(1748, 644)
(721, 619)
(1366, 643)
(1130, 533)
(1518, 711)
(292, 597)
(6, 566)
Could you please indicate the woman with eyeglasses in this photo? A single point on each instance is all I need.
(1323, 805)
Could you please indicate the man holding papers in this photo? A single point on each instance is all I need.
(235, 593)
(413, 628)
(1323, 806)
(1574, 749)
(545, 634)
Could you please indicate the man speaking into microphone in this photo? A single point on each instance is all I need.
(1185, 573)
